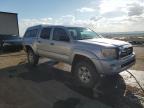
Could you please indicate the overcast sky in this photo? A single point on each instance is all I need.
(100, 15)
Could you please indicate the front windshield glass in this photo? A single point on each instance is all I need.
(79, 33)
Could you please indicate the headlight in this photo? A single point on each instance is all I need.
(109, 53)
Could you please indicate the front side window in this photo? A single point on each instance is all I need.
(45, 34)
(60, 34)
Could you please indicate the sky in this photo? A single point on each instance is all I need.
(99, 15)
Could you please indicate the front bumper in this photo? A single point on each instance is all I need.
(110, 67)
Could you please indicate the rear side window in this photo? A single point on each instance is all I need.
(45, 34)
(27, 33)
(34, 33)
(31, 33)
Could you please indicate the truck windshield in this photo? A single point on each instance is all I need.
(79, 33)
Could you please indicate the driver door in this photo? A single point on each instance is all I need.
(60, 45)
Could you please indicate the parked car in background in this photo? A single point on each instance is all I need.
(137, 42)
(9, 32)
(13, 43)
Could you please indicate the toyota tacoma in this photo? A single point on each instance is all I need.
(89, 54)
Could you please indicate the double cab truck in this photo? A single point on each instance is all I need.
(89, 54)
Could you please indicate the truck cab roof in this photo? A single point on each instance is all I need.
(46, 25)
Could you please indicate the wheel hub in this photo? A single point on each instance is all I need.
(84, 74)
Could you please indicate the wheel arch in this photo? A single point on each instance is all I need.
(27, 47)
(79, 57)
(82, 53)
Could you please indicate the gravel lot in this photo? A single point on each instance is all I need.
(51, 85)
(139, 58)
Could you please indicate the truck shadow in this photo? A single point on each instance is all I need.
(111, 90)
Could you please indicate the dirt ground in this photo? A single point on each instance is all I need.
(51, 85)
(139, 58)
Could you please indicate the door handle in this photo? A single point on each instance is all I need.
(51, 43)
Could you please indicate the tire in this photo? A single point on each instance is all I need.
(32, 58)
(85, 74)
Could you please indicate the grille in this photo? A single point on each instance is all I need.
(126, 51)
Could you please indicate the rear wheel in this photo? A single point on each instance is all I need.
(86, 74)
(32, 58)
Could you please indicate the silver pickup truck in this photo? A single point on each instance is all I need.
(90, 55)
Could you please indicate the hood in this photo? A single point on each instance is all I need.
(104, 42)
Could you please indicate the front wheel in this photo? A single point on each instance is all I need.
(86, 74)
(32, 58)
